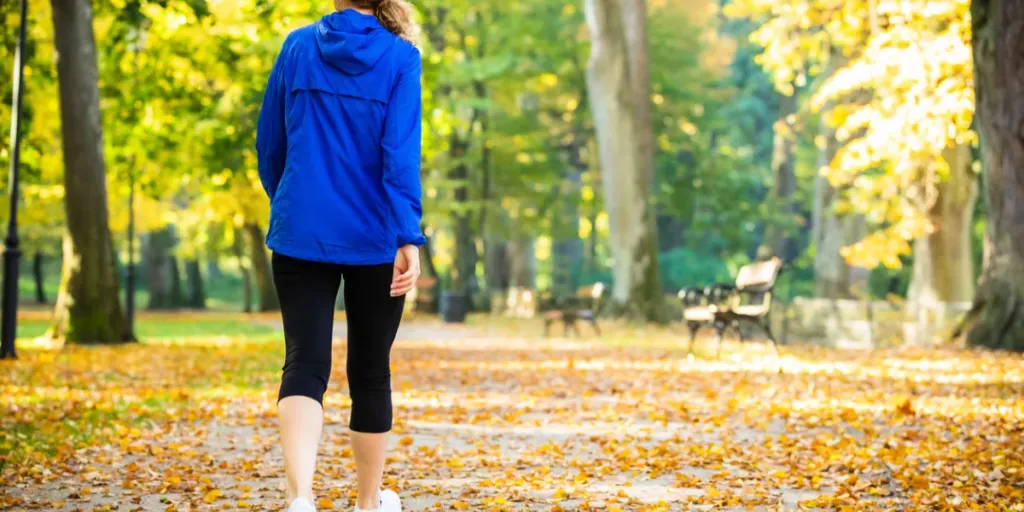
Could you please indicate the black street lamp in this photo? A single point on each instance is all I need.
(12, 251)
(129, 299)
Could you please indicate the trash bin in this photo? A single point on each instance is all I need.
(454, 306)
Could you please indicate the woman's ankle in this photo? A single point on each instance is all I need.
(307, 496)
(369, 503)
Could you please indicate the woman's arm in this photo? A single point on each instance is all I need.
(271, 137)
(401, 150)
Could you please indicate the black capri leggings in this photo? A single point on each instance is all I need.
(308, 291)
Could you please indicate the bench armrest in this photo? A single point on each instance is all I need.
(720, 293)
(692, 296)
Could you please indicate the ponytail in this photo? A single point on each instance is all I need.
(397, 17)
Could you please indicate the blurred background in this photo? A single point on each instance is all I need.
(834, 135)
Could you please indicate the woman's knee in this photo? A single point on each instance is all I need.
(305, 379)
(369, 379)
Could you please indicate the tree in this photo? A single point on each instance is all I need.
(779, 239)
(619, 83)
(261, 270)
(194, 276)
(996, 319)
(943, 260)
(88, 306)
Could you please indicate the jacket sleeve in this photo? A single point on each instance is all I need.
(401, 147)
(271, 137)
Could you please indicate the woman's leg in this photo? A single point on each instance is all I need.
(307, 291)
(373, 317)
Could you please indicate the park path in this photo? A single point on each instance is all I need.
(504, 421)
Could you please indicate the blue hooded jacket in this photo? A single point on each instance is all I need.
(339, 141)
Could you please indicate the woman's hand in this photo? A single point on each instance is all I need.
(407, 270)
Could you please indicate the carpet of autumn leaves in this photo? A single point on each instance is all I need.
(500, 419)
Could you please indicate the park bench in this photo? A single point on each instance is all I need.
(725, 306)
(585, 305)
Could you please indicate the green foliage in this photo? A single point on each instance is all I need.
(684, 267)
(506, 120)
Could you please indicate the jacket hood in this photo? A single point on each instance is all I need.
(351, 41)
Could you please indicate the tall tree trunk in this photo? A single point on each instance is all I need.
(37, 275)
(427, 268)
(567, 247)
(261, 269)
(177, 295)
(943, 263)
(239, 249)
(618, 80)
(157, 262)
(213, 271)
(997, 317)
(88, 307)
(196, 291)
(428, 299)
(779, 237)
(943, 260)
(522, 263)
(464, 271)
(834, 278)
(497, 275)
(592, 265)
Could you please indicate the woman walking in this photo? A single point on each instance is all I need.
(338, 144)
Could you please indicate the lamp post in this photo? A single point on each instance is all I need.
(12, 251)
(129, 299)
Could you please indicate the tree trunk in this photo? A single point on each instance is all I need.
(239, 249)
(213, 271)
(779, 237)
(261, 269)
(427, 268)
(830, 232)
(496, 258)
(619, 83)
(497, 268)
(463, 273)
(196, 292)
(88, 307)
(157, 262)
(997, 316)
(496, 272)
(177, 295)
(943, 260)
(567, 247)
(943, 266)
(522, 263)
(37, 274)
(592, 266)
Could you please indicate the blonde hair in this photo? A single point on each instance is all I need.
(394, 15)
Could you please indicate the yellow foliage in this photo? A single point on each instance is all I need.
(913, 430)
(901, 94)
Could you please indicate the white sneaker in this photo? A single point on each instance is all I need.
(301, 505)
(389, 501)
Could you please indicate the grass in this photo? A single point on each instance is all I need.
(162, 327)
(57, 400)
(222, 293)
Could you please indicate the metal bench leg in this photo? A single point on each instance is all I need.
(547, 326)
(593, 322)
(694, 326)
(719, 334)
(768, 330)
(570, 324)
